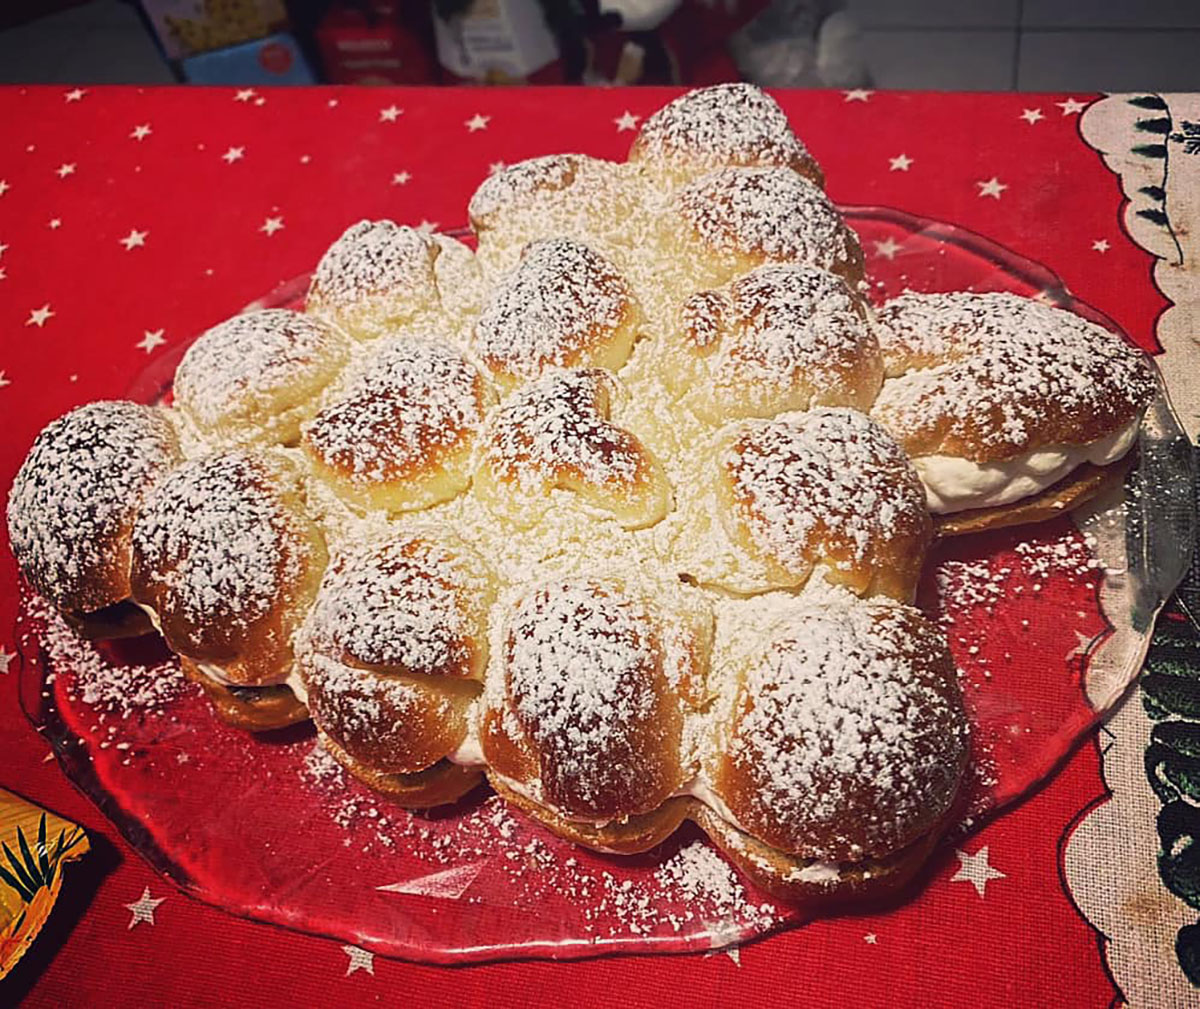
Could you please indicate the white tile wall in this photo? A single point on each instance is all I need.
(944, 60)
(103, 42)
(1109, 60)
(1108, 13)
(935, 13)
(938, 44)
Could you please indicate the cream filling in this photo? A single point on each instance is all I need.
(813, 872)
(218, 672)
(151, 612)
(699, 789)
(954, 484)
(297, 684)
(469, 752)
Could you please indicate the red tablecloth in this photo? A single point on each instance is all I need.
(132, 219)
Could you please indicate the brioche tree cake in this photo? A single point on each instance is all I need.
(620, 509)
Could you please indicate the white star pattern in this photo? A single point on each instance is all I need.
(976, 870)
(993, 187)
(141, 132)
(1101, 245)
(271, 225)
(54, 223)
(5, 380)
(427, 227)
(871, 939)
(477, 122)
(1083, 643)
(64, 170)
(401, 178)
(626, 121)
(2, 248)
(233, 154)
(74, 95)
(887, 248)
(143, 908)
(260, 101)
(244, 95)
(3, 273)
(900, 163)
(390, 114)
(332, 103)
(151, 339)
(6, 657)
(4, 187)
(858, 95)
(495, 166)
(135, 239)
(305, 159)
(360, 959)
(1031, 116)
(1071, 106)
(38, 316)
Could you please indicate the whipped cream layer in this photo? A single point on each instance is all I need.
(954, 484)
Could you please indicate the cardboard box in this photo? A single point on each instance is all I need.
(187, 27)
(274, 60)
(496, 41)
(381, 45)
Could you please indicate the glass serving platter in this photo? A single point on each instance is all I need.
(1048, 625)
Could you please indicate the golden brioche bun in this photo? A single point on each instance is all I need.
(781, 338)
(987, 377)
(555, 434)
(376, 278)
(735, 219)
(584, 710)
(225, 555)
(827, 487)
(253, 379)
(392, 654)
(437, 785)
(629, 836)
(73, 502)
(718, 127)
(255, 709)
(811, 882)
(400, 438)
(845, 737)
(564, 305)
(558, 196)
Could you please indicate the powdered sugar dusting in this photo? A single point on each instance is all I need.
(110, 688)
(846, 731)
(73, 501)
(215, 542)
(830, 476)
(583, 674)
(418, 401)
(557, 427)
(772, 212)
(512, 186)
(792, 334)
(721, 125)
(560, 306)
(412, 604)
(996, 375)
(372, 258)
(255, 365)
